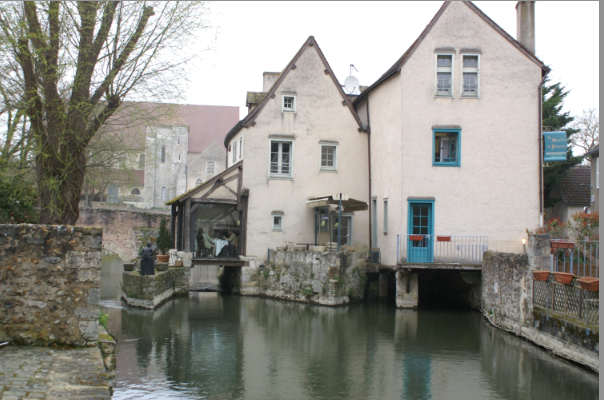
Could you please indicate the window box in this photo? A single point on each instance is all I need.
(563, 277)
(443, 238)
(416, 238)
(541, 275)
(590, 284)
(446, 148)
(562, 245)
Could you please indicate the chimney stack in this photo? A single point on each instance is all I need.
(268, 80)
(525, 24)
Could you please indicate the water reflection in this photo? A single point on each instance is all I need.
(208, 345)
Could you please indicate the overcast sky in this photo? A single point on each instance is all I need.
(264, 36)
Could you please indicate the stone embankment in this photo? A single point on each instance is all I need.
(328, 278)
(49, 284)
(507, 302)
(150, 291)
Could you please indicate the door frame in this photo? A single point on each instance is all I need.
(410, 203)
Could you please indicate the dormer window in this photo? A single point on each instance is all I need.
(289, 103)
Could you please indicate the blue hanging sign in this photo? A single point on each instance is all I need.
(555, 146)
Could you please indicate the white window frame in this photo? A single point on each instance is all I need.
(288, 110)
(450, 70)
(476, 70)
(279, 175)
(277, 227)
(240, 148)
(335, 157)
(234, 152)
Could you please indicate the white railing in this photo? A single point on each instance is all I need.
(583, 259)
(454, 249)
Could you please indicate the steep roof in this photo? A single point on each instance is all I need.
(575, 187)
(249, 120)
(207, 124)
(401, 61)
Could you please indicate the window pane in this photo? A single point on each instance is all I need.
(327, 156)
(444, 61)
(444, 82)
(469, 83)
(470, 61)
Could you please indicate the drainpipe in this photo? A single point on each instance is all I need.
(369, 162)
(540, 114)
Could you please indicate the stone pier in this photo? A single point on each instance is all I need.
(150, 291)
(407, 289)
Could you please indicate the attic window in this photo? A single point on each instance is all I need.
(289, 104)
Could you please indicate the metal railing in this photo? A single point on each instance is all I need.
(569, 300)
(454, 249)
(582, 260)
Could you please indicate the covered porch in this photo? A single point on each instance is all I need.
(210, 220)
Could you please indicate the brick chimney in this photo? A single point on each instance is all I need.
(525, 24)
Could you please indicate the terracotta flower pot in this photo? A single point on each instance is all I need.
(163, 258)
(563, 277)
(562, 245)
(591, 284)
(540, 275)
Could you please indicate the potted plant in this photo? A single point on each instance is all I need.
(164, 241)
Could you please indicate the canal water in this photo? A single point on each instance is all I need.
(215, 346)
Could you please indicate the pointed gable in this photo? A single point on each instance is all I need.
(401, 61)
(310, 43)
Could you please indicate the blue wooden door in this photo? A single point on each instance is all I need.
(420, 224)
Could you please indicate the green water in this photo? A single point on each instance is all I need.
(212, 346)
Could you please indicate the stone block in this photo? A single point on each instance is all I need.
(87, 313)
(94, 297)
(89, 330)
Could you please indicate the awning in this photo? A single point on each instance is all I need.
(349, 205)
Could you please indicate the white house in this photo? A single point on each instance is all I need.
(444, 148)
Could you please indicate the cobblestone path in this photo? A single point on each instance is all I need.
(46, 373)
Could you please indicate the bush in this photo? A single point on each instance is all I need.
(584, 226)
(554, 227)
(164, 239)
(18, 200)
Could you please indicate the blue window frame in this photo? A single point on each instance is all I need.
(446, 147)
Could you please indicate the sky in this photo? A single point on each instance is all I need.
(255, 37)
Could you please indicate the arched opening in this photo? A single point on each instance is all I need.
(210, 168)
(163, 154)
(135, 191)
(198, 182)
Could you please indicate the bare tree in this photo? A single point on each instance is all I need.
(78, 62)
(588, 125)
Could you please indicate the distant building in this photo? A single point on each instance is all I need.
(573, 194)
(177, 147)
(594, 156)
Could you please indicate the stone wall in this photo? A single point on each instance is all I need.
(149, 291)
(507, 287)
(49, 284)
(118, 227)
(327, 278)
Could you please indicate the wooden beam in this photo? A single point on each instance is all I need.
(214, 201)
(239, 186)
(220, 182)
(187, 225)
(173, 225)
